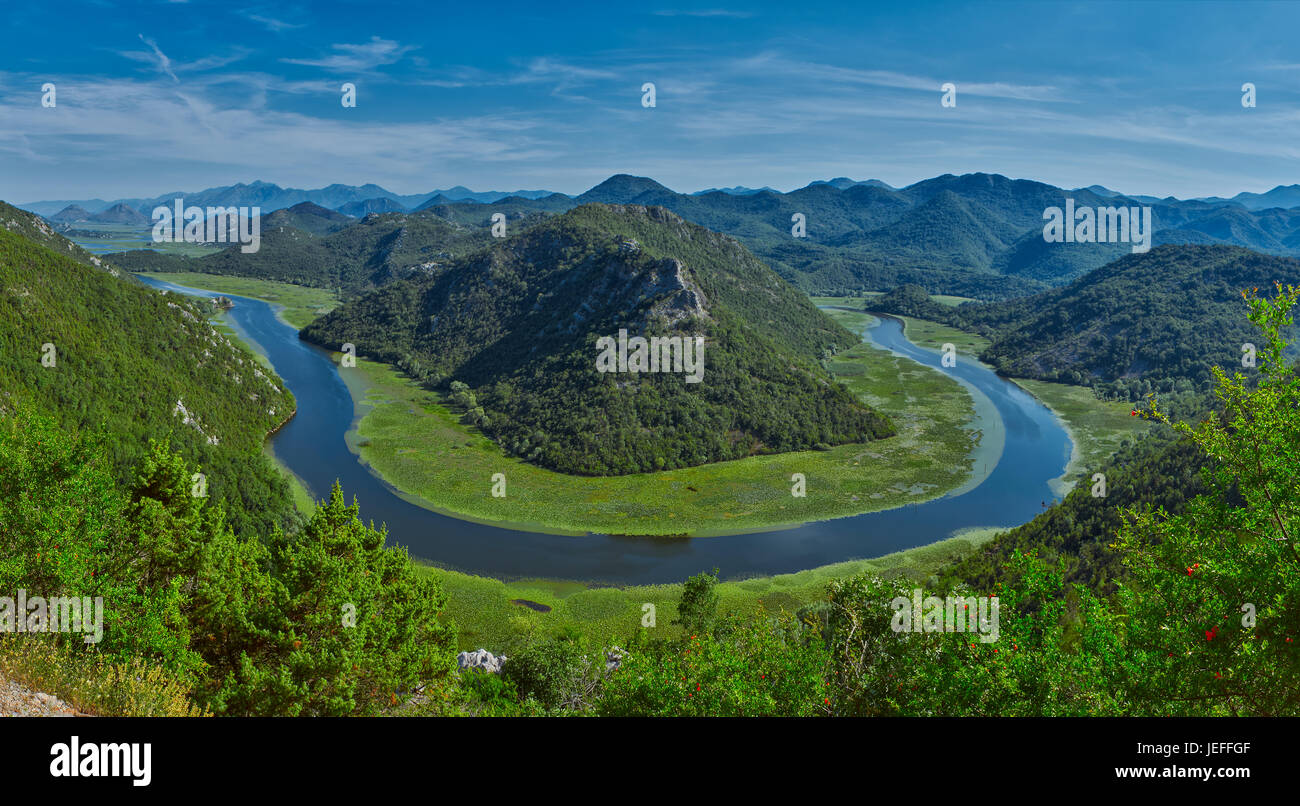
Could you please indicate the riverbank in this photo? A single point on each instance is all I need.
(296, 305)
(1098, 428)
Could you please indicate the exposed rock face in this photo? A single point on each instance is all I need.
(480, 659)
(678, 297)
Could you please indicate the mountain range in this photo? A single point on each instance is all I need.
(977, 235)
(271, 197)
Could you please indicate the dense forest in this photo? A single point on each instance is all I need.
(131, 468)
(512, 333)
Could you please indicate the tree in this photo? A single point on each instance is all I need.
(1215, 594)
(356, 628)
(698, 609)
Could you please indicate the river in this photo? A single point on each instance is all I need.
(1034, 450)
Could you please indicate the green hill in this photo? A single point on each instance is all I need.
(518, 325)
(1154, 321)
(138, 364)
(35, 229)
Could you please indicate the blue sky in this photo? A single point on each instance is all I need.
(155, 97)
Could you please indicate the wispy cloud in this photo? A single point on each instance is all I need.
(130, 122)
(826, 73)
(160, 58)
(358, 58)
(270, 23)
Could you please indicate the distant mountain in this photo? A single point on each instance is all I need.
(738, 190)
(271, 197)
(1284, 196)
(844, 183)
(120, 214)
(71, 214)
(513, 332)
(462, 193)
(977, 235)
(1101, 190)
(363, 208)
(848, 244)
(623, 189)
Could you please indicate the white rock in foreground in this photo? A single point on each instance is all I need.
(480, 659)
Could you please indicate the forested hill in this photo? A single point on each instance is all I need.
(304, 245)
(1150, 322)
(138, 364)
(1142, 322)
(513, 331)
